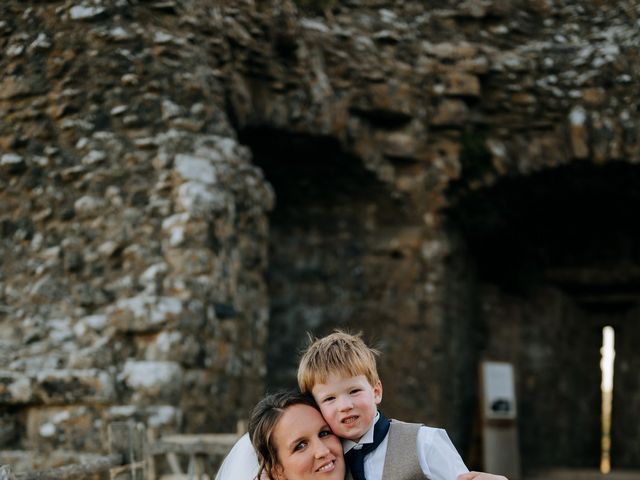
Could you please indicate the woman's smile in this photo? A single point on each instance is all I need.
(328, 467)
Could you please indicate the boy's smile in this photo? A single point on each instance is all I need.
(348, 404)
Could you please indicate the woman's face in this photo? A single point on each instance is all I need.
(307, 448)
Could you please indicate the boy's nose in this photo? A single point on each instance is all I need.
(345, 404)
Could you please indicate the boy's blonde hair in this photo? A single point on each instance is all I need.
(340, 353)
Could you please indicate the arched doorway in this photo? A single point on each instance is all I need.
(344, 252)
(551, 258)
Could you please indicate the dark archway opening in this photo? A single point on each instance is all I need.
(555, 256)
(548, 226)
(333, 261)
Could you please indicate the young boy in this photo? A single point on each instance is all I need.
(340, 372)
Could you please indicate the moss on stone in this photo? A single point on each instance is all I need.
(315, 6)
(475, 157)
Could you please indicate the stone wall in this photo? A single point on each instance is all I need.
(133, 229)
(143, 144)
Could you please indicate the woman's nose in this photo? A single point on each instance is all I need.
(321, 450)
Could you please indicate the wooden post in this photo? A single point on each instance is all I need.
(129, 440)
(151, 459)
(5, 472)
(241, 427)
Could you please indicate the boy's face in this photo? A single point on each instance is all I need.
(348, 404)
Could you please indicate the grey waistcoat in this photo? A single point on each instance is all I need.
(401, 461)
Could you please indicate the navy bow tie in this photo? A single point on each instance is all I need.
(355, 457)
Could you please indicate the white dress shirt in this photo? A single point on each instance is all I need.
(438, 458)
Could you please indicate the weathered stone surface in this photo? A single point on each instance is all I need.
(16, 388)
(460, 84)
(69, 428)
(450, 112)
(158, 417)
(579, 132)
(57, 387)
(143, 145)
(145, 313)
(383, 102)
(12, 163)
(161, 381)
(195, 168)
(198, 200)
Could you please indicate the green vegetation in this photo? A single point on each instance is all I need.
(315, 6)
(475, 157)
(307, 7)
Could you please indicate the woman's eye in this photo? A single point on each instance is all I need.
(300, 446)
(325, 433)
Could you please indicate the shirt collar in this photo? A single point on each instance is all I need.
(366, 438)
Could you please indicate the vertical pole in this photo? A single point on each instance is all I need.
(241, 427)
(151, 461)
(129, 440)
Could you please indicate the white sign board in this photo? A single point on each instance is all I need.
(499, 396)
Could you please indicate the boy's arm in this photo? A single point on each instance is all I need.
(444, 461)
(438, 457)
(480, 476)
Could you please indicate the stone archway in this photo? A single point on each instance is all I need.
(551, 258)
(344, 252)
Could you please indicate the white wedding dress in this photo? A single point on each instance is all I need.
(241, 463)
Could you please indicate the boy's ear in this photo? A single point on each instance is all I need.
(377, 392)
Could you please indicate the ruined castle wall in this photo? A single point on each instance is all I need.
(135, 229)
(495, 90)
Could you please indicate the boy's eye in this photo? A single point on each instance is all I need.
(356, 390)
(328, 399)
